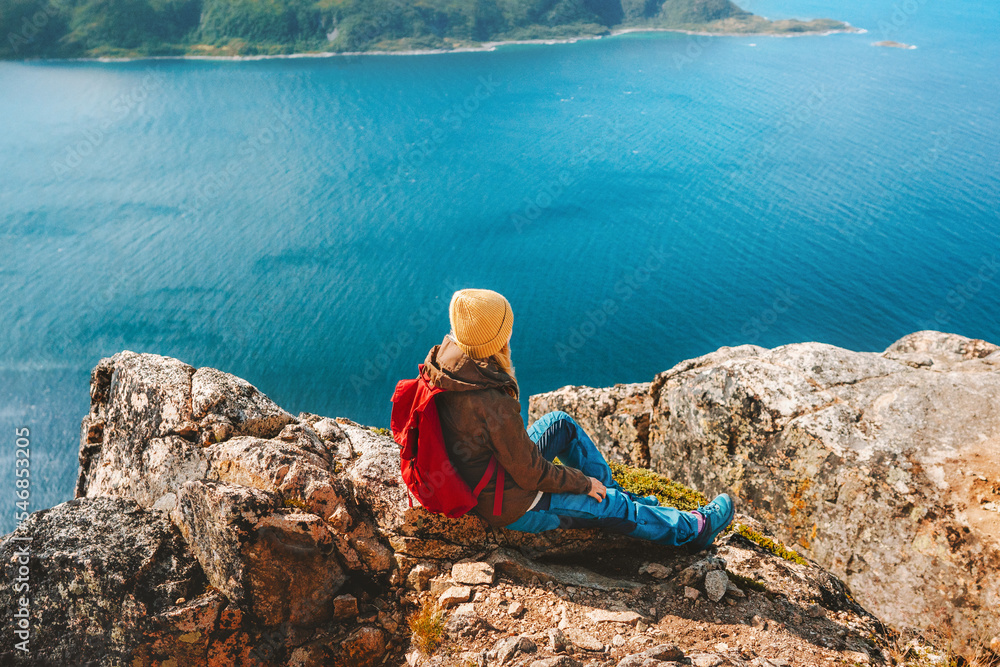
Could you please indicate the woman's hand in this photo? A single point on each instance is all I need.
(597, 490)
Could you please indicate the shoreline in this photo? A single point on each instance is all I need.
(483, 47)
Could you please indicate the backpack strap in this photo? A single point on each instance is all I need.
(498, 493)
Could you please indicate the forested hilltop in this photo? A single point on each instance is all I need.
(93, 28)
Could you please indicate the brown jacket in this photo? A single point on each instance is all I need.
(479, 419)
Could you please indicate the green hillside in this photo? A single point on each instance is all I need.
(75, 28)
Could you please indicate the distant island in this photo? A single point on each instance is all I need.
(142, 28)
(894, 45)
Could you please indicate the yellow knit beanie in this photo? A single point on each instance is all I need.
(481, 321)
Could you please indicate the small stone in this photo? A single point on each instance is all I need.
(665, 652)
(473, 573)
(454, 596)
(526, 645)
(516, 609)
(388, 622)
(697, 571)
(180, 601)
(716, 583)
(641, 626)
(757, 622)
(657, 571)
(419, 577)
(328, 429)
(341, 520)
(995, 644)
(508, 647)
(221, 431)
(706, 660)
(816, 611)
(556, 661)
(463, 621)
(603, 616)
(618, 640)
(584, 641)
(691, 593)
(652, 611)
(557, 640)
(440, 584)
(474, 659)
(734, 590)
(722, 647)
(345, 606)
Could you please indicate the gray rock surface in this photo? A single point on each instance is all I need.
(882, 467)
(99, 571)
(716, 584)
(212, 528)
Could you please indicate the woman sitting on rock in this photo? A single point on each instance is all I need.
(480, 418)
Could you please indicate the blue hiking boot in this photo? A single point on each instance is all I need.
(718, 515)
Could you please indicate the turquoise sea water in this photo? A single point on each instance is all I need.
(640, 200)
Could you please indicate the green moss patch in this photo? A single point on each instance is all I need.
(746, 582)
(646, 482)
(294, 502)
(775, 547)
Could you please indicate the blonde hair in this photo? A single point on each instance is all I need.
(502, 359)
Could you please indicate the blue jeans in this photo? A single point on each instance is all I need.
(557, 434)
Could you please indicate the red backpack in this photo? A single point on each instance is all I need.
(423, 458)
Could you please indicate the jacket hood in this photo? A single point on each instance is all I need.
(448, 367)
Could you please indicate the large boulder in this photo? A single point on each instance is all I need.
(149, 418)
(280, 516)
(882, 467)
(96, 571)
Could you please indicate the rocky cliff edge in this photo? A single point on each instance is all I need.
(212, 527)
